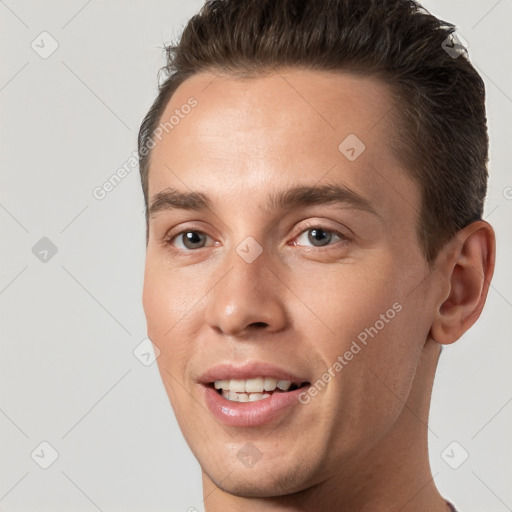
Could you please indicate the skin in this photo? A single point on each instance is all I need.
(361, 443)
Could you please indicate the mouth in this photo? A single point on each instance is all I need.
(254, 389)
(251, 395)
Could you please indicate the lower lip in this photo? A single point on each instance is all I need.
(250, 414)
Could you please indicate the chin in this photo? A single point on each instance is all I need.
(253, 488)
(262, 481)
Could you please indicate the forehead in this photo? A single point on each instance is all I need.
(279, 130)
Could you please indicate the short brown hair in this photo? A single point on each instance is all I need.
(441, 128)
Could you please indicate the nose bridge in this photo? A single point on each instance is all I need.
(247, 296)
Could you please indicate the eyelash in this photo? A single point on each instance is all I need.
(168, 241)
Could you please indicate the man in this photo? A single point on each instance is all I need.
(314, 174)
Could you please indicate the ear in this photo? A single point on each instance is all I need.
(466, 266)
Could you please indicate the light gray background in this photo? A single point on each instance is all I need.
(69, 326)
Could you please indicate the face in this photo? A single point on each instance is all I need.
(295, 263)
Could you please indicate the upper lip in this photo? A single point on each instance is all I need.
(248, 370)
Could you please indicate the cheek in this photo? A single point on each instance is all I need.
(170, 307)
(345, 302)
(168, 313)
(168, 298)
(368, 317)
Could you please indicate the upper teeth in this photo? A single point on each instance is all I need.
(256, 385)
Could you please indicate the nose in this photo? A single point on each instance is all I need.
(248, 298)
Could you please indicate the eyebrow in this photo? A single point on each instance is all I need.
(292, 198)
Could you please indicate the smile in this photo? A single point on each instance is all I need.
(252, 390)
(255, 393)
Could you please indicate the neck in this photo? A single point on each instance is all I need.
(394, 473)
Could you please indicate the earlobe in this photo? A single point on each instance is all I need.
(466, 270)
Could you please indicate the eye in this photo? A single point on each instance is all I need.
(320, 237)
(189, 240)
(317, 236)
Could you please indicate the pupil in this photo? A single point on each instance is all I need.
(192, 237)
(314, 236)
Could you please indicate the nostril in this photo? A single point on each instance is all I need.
(259, 324)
